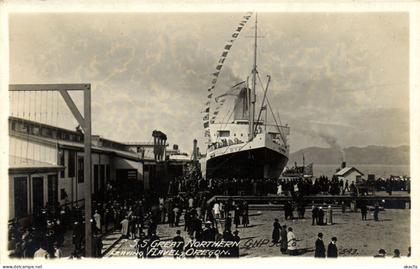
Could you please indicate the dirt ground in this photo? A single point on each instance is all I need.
(355, 237)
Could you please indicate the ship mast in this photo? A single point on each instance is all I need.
(254, 83)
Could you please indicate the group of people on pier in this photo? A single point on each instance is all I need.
(185, 204)
(286, 186)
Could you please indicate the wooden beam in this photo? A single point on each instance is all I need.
(73, 108)
(48, 87)
(88, 173)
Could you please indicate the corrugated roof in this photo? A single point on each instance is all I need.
(347, 170)
(23, 165)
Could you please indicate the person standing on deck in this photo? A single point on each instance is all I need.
(276, 231)
(245, 216)
(314, 215)
(124, 227)
(320, 216)
(291, 242)
(236, 217)
(329, 215)
(376, 212)
(332, 251)
(97, 218)
(319, 247)
(283, 237)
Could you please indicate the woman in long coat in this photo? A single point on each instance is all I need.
(276, 231)
(236, 218)
(124, 227)
(283, 236)
(245, 217)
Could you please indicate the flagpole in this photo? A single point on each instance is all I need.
(254, 83)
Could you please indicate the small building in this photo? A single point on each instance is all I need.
(46, 167)
(350, 174)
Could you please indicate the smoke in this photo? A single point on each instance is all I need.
(329, 139)
(332, 142)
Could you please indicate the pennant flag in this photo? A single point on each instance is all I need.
(235, 90)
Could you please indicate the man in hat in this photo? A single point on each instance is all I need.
(179, 244)
(381, 253)
(207, 232)
(319, 247)
(97, 218)
(314, 215)
(320, 216)
(332, 251)
(228, 223)
(283, 236)
(376, 212)
(235, 249)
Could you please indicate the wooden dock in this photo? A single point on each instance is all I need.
(401, 198)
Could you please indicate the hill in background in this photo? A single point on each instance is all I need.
(354, 155)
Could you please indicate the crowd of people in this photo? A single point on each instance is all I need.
(186, 203)
(288, 186)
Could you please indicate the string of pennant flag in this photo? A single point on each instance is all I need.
(215, 75)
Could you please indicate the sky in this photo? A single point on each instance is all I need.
(337, 79)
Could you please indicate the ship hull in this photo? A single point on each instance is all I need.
(253, 163)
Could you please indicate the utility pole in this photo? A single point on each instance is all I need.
(87, 172)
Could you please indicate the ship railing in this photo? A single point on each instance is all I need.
(225, 143)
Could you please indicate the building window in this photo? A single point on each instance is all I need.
(63, 194)
(52, 190)
(35, 130)
(80, 169)
(108, 172)
(71, 164)
(21, 196)
(61, 162)
(95, 178)
(223, 133)
(102, 176)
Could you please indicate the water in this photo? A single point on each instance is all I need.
(380, 170)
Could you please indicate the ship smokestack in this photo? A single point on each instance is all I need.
(343, 164)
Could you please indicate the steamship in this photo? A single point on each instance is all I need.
(247, 145)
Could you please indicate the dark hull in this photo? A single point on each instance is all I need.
(255, 163)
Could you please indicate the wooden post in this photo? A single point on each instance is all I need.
(85, 123)
(87, 173)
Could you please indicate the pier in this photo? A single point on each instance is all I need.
(398, 199)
